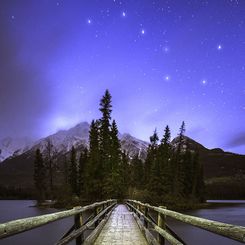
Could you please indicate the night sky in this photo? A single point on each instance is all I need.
(163, 62)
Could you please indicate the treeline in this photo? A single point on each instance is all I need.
(103, 171)
(171, 173)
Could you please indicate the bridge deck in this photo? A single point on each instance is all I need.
(121, 229)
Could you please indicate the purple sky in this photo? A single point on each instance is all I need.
(163, 62)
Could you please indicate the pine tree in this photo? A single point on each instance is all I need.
(164, 158)
(198, 186)
(94, 174)
(39, 176)
(104, 131)
(178, 170)
(125, 173)
(81, 171)
(65, 171)
(151, 158)
(50, 156)
(105, 140)
(188, 172)
(73, 175)
(113, 182)
(137, 172)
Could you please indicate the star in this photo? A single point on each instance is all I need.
(89, 21)
(219, 47)
(204, 82)
(167, 78)
(166, 49)
(142, 31)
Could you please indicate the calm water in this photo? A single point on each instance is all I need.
(43, 235)
(50, 233)
(234, 214)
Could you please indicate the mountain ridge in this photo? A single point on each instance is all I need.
(18, 169)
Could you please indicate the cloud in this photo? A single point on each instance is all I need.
(238, 140)
(24, 96)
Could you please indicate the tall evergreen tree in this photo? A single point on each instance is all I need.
(125, 173)
(81, 171)
(151, 157)
(188, 171)
(50, 157)
(198, 186)
(65, 170)
(178, 168)
(164, 158)
(105, 138)
(39, 176)
(113, 182)
(73, 173)
(104, 132)
(94, 174)
(137, 172)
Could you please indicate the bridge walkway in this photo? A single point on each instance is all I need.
(121, 229)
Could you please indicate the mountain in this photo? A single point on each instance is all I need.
(77, 136)
(216, 162)
(133, 146)
(13, 147)
(17, 169)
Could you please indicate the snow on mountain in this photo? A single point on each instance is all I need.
(63, 141)
(14, 146)
(133, 146)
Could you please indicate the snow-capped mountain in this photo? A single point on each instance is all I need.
(14, 146)
(63, 141)
(134, 146)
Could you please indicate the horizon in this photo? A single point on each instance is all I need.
(163, 63)
(123, 133)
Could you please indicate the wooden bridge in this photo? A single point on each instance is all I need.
(130, 223)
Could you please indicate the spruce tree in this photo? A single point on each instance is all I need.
(94, 174)
(188, 171)
(39, 176)
(73, 173)
(104, 131)
(125, 173)
(164, 158)
(50, 156)
(151, 158)
(113, 182)
(137, 172)
(198, 186)
(178, 168)
(105, 140)
(81, 171)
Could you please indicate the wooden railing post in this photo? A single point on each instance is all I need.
(161, 223)
(146, 209)
(95, 214)
(78, 223)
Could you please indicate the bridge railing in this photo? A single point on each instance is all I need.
(99, 211)
(159, 225)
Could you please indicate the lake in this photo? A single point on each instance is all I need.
(49, 234)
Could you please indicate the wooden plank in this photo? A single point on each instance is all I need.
(94, 234)
(17, 226)
(121, 228)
